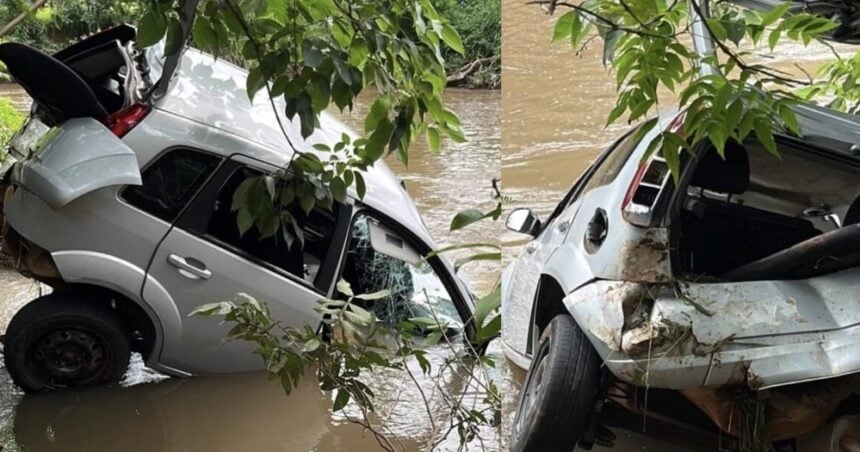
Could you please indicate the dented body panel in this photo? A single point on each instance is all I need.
(760, 334)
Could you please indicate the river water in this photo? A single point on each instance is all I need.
(554, 107)
(247, 412)
(552, 110)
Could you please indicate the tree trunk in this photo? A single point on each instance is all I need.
(464, 72)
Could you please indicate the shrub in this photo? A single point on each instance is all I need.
(10, 120)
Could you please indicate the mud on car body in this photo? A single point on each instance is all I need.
(743, 279)
(120, 194)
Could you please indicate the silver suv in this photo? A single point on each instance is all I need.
(742, 279)
(119, 198)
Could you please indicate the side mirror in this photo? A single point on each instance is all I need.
(524, 221)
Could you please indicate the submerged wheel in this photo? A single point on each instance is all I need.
(65, 340)
(559, 391)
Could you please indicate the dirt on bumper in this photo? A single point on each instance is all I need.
(757, 334)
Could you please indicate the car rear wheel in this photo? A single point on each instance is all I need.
(66, 340)
(557, 397)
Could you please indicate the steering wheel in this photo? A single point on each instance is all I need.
(52, 85)
(826, 253)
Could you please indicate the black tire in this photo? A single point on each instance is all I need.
(66, 340)
(558, 395)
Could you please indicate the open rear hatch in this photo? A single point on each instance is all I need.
(85, 99)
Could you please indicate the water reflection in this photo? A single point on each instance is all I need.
(240, 412)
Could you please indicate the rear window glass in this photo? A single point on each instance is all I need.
(170, 182)
(617, 157)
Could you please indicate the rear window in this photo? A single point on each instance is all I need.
(607, 170)
(170, 182)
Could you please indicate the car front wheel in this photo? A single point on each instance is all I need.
(66, 340)
(559, 391)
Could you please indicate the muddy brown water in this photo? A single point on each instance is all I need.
(246, 411)
(554, 108)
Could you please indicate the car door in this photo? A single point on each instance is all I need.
(527, 269)
(204, 259)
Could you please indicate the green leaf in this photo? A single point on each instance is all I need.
(459, 263)
(338, 190)
(213, 309)
(255, 82)
(452, 39)
(672, 145)
(789, 118)
(344, 287)
(717, 28)
(564, 25)
(378, 111)
(466, 217)
(433, 141)
(360, 187)
(374, 295)
(203, 34)
(340, 400)
(487, 304)
(151, 29)
(773, 39)
(775, 14)
(375, 147)
(244, 221)
(764, 134)
(489, 331)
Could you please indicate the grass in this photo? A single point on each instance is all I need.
(10, 121)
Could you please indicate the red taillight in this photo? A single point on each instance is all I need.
(121, 122)
(637, 179)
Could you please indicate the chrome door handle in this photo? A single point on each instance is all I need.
(190, 270)
(531, 247)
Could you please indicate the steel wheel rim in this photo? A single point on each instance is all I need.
(69, 356)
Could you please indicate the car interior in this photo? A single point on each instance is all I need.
(301, 260)
(751, 215)
(93, 78)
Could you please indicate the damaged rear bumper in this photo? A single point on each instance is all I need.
(760, 334)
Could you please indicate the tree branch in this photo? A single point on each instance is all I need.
(20, 17)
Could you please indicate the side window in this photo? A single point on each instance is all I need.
(170, 182)
(602, 172)
(379, 259)
(301, 261)
(606, 170)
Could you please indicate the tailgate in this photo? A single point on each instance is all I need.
(63, 163)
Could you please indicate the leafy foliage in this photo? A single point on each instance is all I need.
(839, 85)
(52, 27)
(10, 121)
(314, 54)
(479, 23)
(358, 345)
(646, 45)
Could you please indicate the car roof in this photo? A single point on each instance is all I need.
(212, 92)
(830, 129)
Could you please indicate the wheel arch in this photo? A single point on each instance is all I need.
(548, 303)
(89, 270)
(138, 318)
